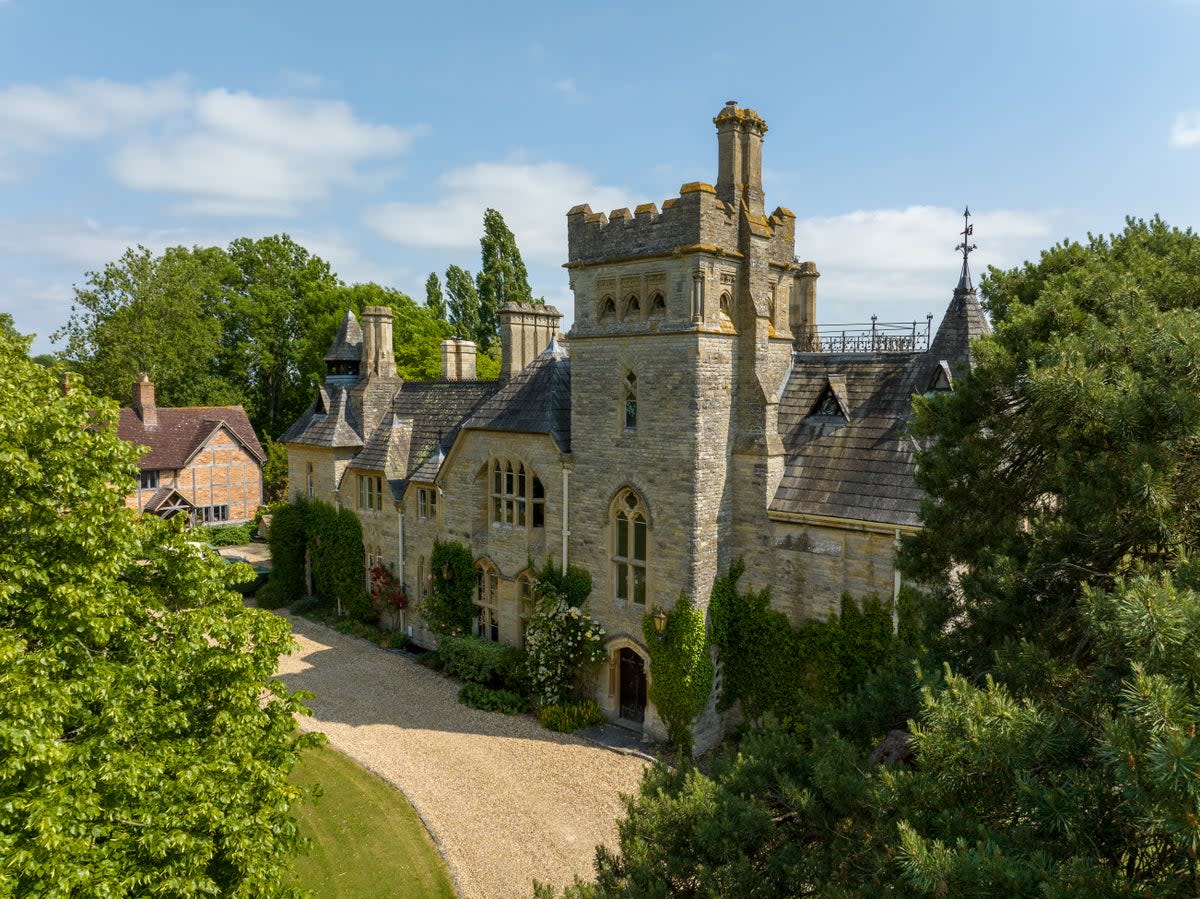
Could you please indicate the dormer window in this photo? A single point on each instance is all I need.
(942, 380)
(832, 401)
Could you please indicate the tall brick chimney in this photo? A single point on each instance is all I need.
(525, 330)
(739, 156)
(458, 360)
(143, 400)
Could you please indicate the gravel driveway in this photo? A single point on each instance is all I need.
(505, 799)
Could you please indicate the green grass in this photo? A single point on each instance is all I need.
(367, 840)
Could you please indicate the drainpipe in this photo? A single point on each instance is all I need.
(400, 552)
(565, 509)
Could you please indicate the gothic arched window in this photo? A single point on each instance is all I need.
(629, 402)
(487, 601)
(518, 497)
(629, 541)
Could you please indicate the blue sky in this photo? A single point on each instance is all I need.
(377, 133)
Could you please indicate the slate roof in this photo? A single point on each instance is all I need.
(862, 466)
(536, 401)
(329, 421)
(182, 431)
(347, 345)
(437, 410)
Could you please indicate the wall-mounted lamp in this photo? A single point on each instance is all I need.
(445, 572)
(660, 623)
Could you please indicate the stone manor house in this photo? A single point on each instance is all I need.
(695, 414)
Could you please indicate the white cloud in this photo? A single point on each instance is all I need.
(902, 262)
(1185, 132)
(226, 153)
(532, 197)
(568, 88)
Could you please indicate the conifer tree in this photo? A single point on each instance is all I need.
(462, 302)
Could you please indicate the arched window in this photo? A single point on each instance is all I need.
(726, 308)
(629, 539)
(658, 304)
(608, 308)
(629, 404)
(633, 306)
(487, 599)
(518, 497)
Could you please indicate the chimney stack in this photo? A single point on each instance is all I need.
(803, 307)
(739, 156)
(458, 360)
(378, 356)
(143, 400)
(526, 329)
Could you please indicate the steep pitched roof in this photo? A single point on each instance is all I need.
(963, 322)
(183, 431)
(329, 421)
(347, 345)
(859, 468)
(536, 401)
(437, 410)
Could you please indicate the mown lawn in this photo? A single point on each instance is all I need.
(367, 840)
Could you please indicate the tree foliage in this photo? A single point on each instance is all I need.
(435, 300)
(502, 276)
(462, 303)
(561, 636)
(144, 748)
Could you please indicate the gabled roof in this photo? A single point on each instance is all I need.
(167, 499)
(536, 401)
(861, 468)
(437, 410)
(329, 421)
(183, 431)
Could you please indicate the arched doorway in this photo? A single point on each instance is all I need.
(632, 686)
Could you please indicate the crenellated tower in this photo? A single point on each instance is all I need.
(685, 320)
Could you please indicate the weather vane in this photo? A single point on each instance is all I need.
(964, 282)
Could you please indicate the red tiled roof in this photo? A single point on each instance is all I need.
(183, 431)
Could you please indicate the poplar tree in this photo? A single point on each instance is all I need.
(502, 276)
(435, 301)
(462, 302)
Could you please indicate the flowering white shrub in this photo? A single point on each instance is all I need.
(560, 639)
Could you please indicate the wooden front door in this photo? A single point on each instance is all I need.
(633, 686)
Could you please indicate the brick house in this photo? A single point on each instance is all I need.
(201, 461)
(698, 414)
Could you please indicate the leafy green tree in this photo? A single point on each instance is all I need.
(144, 747)
(435, 301)
(162, 314)
(8, 327)
(462, 301)
(284, 309)
(502, 276)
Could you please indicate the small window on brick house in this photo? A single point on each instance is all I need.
(148, 480)
(212, 514)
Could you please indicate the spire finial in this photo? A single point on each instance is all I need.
(964, 279)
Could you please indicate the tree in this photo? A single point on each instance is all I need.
(502, 276)
(161, 314)
(435, 302)
(462, 300)
(284, 309)
(1069, 457)
(144, 748)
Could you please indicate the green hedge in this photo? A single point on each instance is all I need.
(478, 696)
(332, 538)
(480, 661)
(288, 540)
(227, 534)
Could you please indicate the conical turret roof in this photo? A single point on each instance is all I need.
(347, 345)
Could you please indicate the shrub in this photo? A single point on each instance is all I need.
(570, 716)
(449, 608)
(226, 534)
(478, 696)
(561, 638)
(431, 660)
(288, 541)
(479, 661)
(396, 640)
(304, 605)
(683, 670)
(387, 595)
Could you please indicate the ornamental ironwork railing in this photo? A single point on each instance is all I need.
(870, 337)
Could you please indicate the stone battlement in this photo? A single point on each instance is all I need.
(695, 219)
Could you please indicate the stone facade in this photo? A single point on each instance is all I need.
(694, 421)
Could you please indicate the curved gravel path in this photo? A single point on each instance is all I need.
(506, 800)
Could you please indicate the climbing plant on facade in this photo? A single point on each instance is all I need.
(561, 637)
(682, 669)
(449, 608)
